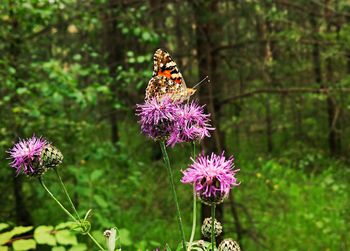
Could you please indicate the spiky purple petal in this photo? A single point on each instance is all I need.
(157, 118)
(25, 153)
(211, 175)
(191, 124)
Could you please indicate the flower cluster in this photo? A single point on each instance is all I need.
(212, 176)
(191, 124)
(157, 118)
(173, 121)
(33, 156)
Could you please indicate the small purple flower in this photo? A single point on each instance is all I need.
(191, 124)
(213, 177)
(25, 155)
(157, 118)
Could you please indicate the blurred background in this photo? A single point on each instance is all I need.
(72, 71)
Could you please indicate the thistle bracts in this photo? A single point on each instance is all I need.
(213, 199)
(34, 156)
(51, 157)
(229, 245)
(206, 228)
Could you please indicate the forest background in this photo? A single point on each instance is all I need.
(73, 71)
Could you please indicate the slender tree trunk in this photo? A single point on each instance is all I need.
(113, 49)
(333, 137)
(268, 77)
(206, 36)
(23, 216)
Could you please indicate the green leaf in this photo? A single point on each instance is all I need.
(5, 237)
(100, 201)
(43, 235)
(24, 244)
(98, 235)
(124, 236)
(77, 57)
(64, 225)
(96, 174)
(146, 36)
(79, 247)
(66, 237)
(21, 230)
(155, 243)
(167, 248)
(21, 90)
(4, 248)
(58, 249)
(3, 226)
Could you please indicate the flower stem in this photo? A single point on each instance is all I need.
(58, 202)
(194, 213)
(66, 211)
(67, 194)
(194, 149)
(212, 226)
(171, 178)
(95, 241)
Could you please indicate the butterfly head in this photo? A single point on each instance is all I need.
(190, 92)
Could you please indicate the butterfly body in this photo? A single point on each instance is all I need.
(167, 79)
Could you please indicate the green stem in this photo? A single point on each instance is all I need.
(58, 202)
(194, 149)
(212, 227)
(194, 213)
(95, 241)
(171, 178)
(67, 194)
(67, 212)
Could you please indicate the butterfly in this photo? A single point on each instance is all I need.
(167, 80)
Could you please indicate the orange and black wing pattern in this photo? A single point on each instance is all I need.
(166, 79)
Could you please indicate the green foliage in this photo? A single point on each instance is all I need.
(68, 67)
(294, 200)
(24, 238)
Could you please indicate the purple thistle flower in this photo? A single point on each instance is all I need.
(213, 177)
(191, 124)
(26, 153)
(157, 118)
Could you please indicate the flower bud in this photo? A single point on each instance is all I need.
(229, 245)
(51, 157)
(110, 235)
(206, 228)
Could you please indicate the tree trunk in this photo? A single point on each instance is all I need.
(23, 216)
(333, 137)
(206, 37)
(267, 73)
(113, 49)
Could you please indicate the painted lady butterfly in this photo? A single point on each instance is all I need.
(167, 79)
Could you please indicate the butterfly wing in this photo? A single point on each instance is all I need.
(164, 65)
(167, 79)
(159, 86)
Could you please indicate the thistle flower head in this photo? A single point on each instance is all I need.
(25, 155)
(206, 227)
(213, 177)
(157, 117)
(191, 124)
(229, 245)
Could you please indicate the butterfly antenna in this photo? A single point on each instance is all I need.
(201, 82)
